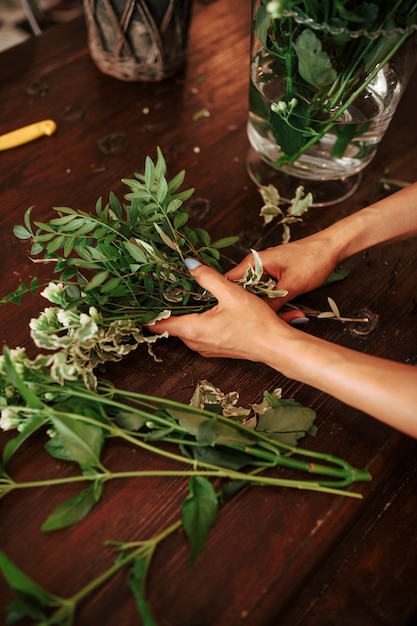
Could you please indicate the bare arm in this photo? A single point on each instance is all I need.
(305, 264)
(370, 384)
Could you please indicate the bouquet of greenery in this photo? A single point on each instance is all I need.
(328, 55)
(118, 270)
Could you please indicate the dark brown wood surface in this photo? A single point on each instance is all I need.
(275, 557)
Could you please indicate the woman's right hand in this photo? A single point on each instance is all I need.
(298, 266)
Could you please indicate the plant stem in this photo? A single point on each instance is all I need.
(291, 159)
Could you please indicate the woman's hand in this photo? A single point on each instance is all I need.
(236, 327)
(298, 267)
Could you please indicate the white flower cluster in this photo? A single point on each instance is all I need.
(9, 417)
(80, 340)
(276, 8)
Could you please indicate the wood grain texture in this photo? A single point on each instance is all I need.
(275, 557)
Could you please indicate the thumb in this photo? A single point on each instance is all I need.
(207, 277)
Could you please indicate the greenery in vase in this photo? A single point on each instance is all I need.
(327, 52)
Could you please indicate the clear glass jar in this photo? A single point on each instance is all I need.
(321, 98)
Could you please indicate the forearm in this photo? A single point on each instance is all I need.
(383, 389)
(392, 219)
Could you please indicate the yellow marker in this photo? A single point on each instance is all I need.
(27, 133)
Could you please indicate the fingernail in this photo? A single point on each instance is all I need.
(299, 321)
(192, 263)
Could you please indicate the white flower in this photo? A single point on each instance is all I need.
(9, 419)
(55, 293)
(66, 318)
(279, 107)
(94, 314)
(275, 8)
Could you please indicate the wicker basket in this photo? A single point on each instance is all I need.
(138, 40)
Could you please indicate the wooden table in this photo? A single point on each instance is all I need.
(282, 557)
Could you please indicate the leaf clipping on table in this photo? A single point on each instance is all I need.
(199, 511)
(73, 510)
(137, 584)
(24, 587)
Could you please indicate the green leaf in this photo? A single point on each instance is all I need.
(199, 512)
(175, 183)
(137, 584)
(225, 242)
(31, 425)
(130, 421)
(135, 252)
(227, 435)
(22, 585)
(222, 457)
(115, 205)
(111, 285)
(180, 219)
(82, 441)
(21, 609)
(288, 422)
(16, 295)
(262, 24)
(149, 172)
(314, 64)
(57, 449)
(21, 232)
(26, 218)
(208, 432)
(230, 489)
(162, 190)
(345, 134)
(203, 236)
(75, 509)
(97, 280)
(160, 167)
(36, 248)
(289, 131)
(149, 284)
(56, 244)
(258, 102)
(336, 276)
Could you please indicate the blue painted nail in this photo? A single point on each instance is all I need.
(299, 321)
(192, 263)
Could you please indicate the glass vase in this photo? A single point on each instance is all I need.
(138, 40)
(322, 94)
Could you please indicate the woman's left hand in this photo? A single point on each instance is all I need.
(236, 327)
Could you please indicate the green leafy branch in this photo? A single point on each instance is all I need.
(78, 422)
(198, 515)
(325, 65)
(127, 258)
(118, 270)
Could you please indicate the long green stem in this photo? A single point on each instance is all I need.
(271, 452)
(271, 456)
(343, 107)
(213, 472)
